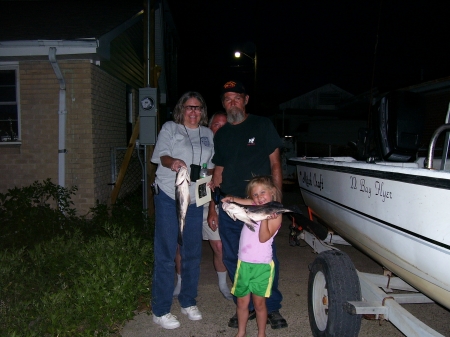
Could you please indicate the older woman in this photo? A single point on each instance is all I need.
(183, 142)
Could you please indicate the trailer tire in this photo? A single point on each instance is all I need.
(332, 282)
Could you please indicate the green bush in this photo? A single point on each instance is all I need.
(73, 286)
(34, 213)
(127, 212)
(85, 280)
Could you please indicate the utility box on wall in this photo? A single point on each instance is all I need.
(148, 110)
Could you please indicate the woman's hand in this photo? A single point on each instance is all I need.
(172, 163)
(177, 164)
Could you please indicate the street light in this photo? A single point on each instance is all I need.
(238, 54)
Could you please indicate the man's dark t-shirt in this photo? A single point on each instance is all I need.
(243, 150)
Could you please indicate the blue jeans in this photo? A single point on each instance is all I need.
(230, 232)
(165, 247)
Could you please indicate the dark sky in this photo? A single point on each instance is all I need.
(302, 45)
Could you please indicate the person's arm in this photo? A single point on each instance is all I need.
(268, 228)
(213, 219)
(230, 198)
(275, 166)
(217, 176)
(173, 163)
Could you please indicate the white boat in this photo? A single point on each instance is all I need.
(396, 212)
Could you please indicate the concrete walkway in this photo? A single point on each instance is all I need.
(293, 284)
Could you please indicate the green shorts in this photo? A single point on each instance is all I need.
(255, 278)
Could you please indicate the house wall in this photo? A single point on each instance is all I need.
(36, 158)
(109, 127)
(126, 60)
(96, 121)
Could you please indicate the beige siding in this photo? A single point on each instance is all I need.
(126, 62)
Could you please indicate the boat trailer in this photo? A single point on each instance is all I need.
(378, 300)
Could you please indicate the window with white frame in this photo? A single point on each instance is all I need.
(9, 105)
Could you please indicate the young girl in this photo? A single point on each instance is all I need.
(255, 269)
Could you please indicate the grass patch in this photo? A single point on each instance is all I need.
(81, 277)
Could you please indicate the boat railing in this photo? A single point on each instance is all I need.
(429, 160)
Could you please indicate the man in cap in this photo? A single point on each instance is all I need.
(248, 145)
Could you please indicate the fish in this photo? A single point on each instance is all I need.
(251, 214)
(182, 199)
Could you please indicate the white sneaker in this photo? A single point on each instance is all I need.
(192, 312)
(168, 321)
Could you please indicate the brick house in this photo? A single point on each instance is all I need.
(69, 80)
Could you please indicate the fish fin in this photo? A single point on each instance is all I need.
(294, 209)
(252, 228)
(240, 205)
(275, 204)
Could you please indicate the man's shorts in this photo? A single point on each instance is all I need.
(208, 233)
(255, 278)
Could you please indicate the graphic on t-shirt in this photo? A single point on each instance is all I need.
(251, 141)
(204, 141)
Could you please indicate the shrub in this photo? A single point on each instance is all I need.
(34, 213)
(69, 276)
(73, 286)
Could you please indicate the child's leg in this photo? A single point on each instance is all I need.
(261, 314)
(242, 314)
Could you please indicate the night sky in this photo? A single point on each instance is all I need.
(303, 45)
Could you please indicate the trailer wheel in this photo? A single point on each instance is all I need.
(332, 282)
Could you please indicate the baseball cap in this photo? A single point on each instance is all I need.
(233, 86)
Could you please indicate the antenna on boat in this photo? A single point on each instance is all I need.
(369, 117)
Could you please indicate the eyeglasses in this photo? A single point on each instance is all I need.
(193, 107)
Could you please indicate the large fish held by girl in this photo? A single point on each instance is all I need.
(251, 214)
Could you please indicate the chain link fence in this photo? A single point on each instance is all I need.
(134, 174)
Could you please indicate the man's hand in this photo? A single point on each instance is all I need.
(213, 218)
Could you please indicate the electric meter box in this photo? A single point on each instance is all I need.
(148, 109)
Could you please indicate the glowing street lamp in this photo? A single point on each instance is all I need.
(238, 54)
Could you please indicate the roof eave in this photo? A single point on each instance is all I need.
(41, 47)
(100, 46)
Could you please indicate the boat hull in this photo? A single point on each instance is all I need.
(397, 214)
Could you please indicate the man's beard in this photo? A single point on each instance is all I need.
(235, 115)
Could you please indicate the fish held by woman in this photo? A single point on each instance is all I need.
(182, 199)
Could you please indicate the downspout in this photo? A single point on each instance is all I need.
(62, 113)
(148, 42)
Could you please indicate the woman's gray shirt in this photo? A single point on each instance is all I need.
(173, 141)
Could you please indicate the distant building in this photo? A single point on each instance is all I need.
(325, 120)
(317, 121)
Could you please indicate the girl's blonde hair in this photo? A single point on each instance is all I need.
(266, 181)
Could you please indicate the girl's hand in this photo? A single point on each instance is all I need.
(228, 198)
(272, 216)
